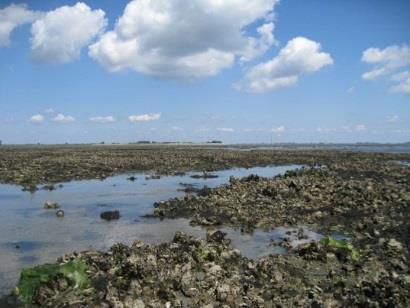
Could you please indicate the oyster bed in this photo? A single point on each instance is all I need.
(189, 272)
(364, 196)
(30, 166)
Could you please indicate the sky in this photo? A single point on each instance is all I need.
(234, 70)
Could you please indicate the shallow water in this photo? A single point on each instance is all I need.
(370, 148)
(32, 235)
(402, 162)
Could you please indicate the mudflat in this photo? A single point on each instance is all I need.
(359, 202)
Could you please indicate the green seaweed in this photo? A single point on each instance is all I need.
(32, 278)
(341, 244)
(203, 255)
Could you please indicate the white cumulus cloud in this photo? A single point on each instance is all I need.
(343, 129)
(387, 62)
(392, 119)
(59, 36)
(300, 56)
(360, 128)
(63, 119)
(103, 120)
(278, 130)
(225, 129)
(185, 39)
(13, 16)
(402, 131)
(36, 119)
(49, 111)
(144, 117)
(403, 82)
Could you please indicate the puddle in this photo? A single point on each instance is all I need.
(42, 237)
(262, 243)
(402, 162)
(24, 246)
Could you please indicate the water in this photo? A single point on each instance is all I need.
(402, 162)
(32, 235)
(368, 148)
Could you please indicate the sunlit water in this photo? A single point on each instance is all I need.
(32, 235)
(402, 162)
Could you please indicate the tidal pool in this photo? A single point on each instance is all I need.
(32, 235)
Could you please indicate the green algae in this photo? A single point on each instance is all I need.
(32, 278)
(341, 244)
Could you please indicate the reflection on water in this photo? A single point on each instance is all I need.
(262, 243)
(32, 235)
(402, 162)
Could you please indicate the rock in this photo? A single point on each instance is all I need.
(395, 245)
(131, 178)
(318, 214)
(60, 213)
(153, 177)
(204, 175)
(217, 236)
(49, 187)
(138, 244)
(222, 292)
(51, 205)
(139, 304)
(110, 215)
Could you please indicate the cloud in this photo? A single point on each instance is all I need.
(144, 117)
(13, 16)
(360, 128)
(402, 131)
(401, 76)
(59, 36)
(177, 128)
(343, 129)
(185, 39)
(63, 119)
(402, 87)
(49, 111)
(36, 119)
(278, 130)
(225, 129)
(403, 83)
(251, 130)
(103, 120)
(300, 56)
(392, 119)
(386, 62)
(351, 90)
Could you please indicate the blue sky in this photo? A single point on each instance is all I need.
(293, 71)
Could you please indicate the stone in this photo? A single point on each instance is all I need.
(395, 245)
(51, 205)
(60, 213)
(110, 215)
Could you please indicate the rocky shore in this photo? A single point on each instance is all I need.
(30, 166)
(190, 272)
(363, 198)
